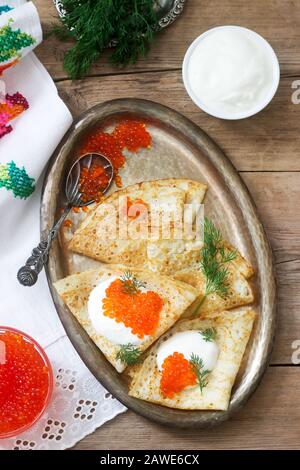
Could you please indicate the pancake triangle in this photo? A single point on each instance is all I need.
(74, 290)
(233, 329)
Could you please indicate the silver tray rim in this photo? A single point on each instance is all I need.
(157, 413)
(166, 20)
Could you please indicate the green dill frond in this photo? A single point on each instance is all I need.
(61, 32)
(129, 24)
(214, 257)
(128, 354)
(212, 236)
(209, 334)
(201, 373)
(131, 285)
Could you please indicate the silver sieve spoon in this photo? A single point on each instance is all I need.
(28, 274)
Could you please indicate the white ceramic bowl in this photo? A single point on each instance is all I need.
(258, 106)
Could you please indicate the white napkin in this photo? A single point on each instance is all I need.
(35, 135)
(23, 16)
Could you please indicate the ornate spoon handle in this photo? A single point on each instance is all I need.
(28, 274)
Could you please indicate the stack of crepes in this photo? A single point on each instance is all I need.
(171, 270)
(170, 256)
(33, 119)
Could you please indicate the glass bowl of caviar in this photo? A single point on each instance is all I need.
(26, 382)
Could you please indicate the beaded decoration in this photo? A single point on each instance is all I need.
(12, 41)
(7, 66)
(16, 180)
(12, 107)
(5, 9)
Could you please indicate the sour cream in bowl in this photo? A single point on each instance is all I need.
(231, 72)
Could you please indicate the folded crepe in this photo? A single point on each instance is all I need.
(233, 329)
(240, 293)
(165, 203)
(76, 289)
(172, 256)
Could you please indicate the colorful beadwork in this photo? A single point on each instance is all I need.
(12, 107)
(13, 41)
(4, 129)
(16, 180)
(7, 66)
(5, 9)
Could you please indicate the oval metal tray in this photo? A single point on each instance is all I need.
(180, 149)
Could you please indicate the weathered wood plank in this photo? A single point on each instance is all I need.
(276, 20)
(276, 196)
(265, 148)
(269, 141)
(270, 420)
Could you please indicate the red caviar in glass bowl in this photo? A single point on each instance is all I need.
(26, 382)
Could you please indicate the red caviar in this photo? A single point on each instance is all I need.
(77, 210)
(67, 223)
(25, 382)
(139, 210)
(130, 134)
(104, 143)
(92, 182)
(177, 374)
(139, 311)
(118, 181)
(133, 135)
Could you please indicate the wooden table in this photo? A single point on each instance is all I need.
(265, 149)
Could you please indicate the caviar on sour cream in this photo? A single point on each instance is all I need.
(115, 332)
(188, 343)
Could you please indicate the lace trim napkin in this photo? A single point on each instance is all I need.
(80, 404)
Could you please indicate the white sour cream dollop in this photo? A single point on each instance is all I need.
(188, 343)
(114, 331)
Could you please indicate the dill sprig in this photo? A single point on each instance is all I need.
(131, 285)
(95, 24)
(128, 354)
(214, 258)
(201, 373)
(209, 334)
